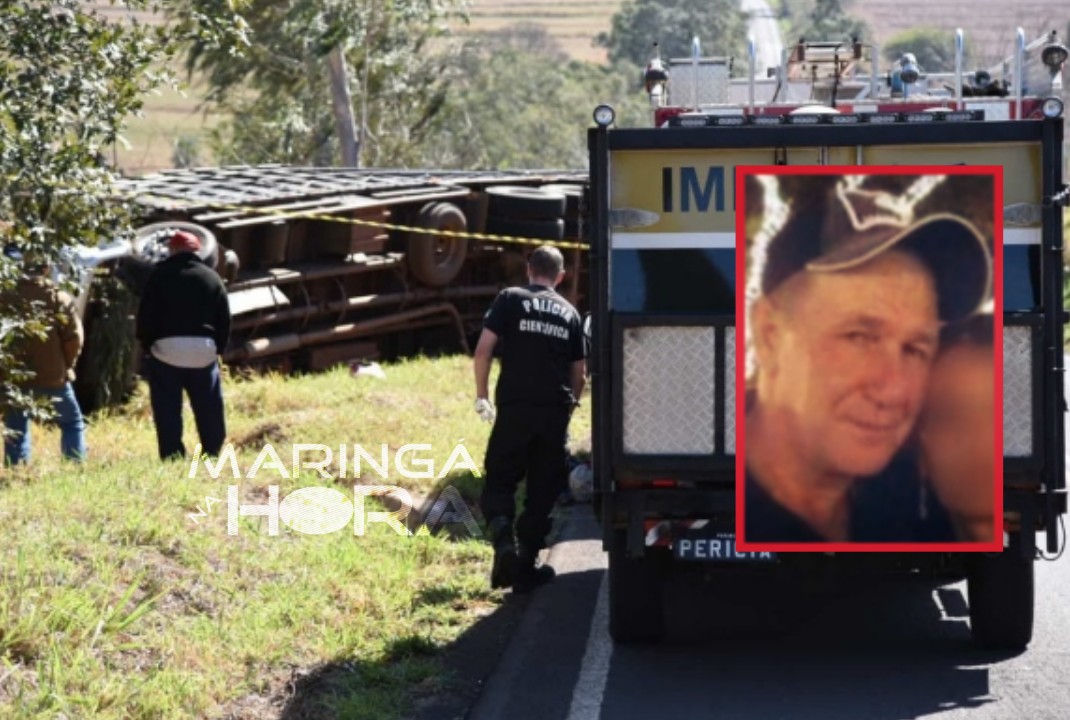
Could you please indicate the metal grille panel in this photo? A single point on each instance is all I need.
(1017, 392)
(730, 391)
(713, 80)
(669, 390)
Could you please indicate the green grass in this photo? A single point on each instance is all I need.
(115, 604)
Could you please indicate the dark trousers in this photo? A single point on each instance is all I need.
(166, 383)
(527, 441)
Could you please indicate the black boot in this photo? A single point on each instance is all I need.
(528, 576)
(503, 571)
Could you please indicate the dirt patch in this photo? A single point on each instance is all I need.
(264, 703)
(268, 433)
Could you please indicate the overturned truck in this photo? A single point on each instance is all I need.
(330, 265)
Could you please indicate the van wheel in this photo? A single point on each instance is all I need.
(636, 597)
(436, 260)
(1000, 589)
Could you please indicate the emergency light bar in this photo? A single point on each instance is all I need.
(804, 119)
(882, 118)
(936, 115)
(844, 119)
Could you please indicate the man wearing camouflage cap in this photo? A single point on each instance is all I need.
(853, 292)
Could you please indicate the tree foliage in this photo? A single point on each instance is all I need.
(828, 21)
(719, 25)
(69, 79)
(517, 102)
(277, 93)
(933, 48)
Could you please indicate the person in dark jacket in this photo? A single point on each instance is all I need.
(183, 324)
(51, 359)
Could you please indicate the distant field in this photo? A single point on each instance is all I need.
(989, 27)
(989, 31)
(573, 25)
(170, 115)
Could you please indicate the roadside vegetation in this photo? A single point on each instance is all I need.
(115, 603)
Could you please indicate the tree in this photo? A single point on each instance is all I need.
(278, 94)
(828, 21)
(933, 48)
(69, 79)
(719, 25)
(517, 103)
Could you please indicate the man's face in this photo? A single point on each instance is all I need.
(844, 359)
(957, 431)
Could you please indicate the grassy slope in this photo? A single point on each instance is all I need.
(113, 603)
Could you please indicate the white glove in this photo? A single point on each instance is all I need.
(485, 410)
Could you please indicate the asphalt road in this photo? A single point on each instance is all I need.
(762, 25)
(759, 647)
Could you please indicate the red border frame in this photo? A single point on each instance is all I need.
(996, 171)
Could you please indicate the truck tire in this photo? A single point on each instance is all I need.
(636, 598)
(1000, 588)
(150, 242)
(436, 260)
(525, 202)
(573, 197)
(552, 230)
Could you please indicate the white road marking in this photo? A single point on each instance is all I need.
(594, 671)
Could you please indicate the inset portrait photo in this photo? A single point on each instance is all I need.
(871, 318)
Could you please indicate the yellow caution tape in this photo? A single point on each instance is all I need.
(313, 215)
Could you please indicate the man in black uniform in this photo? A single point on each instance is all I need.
(540, 336)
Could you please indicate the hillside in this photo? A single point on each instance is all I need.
(989, 31)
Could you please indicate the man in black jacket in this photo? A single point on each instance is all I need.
(183, 324)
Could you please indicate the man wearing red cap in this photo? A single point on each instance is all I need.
(183, 323)
(854, 290)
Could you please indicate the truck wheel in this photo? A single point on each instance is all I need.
(636, 601)
(436, 260)
(573, 197)
(150, 243)
(525, 202)
(1000, 589)
(553, 230)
